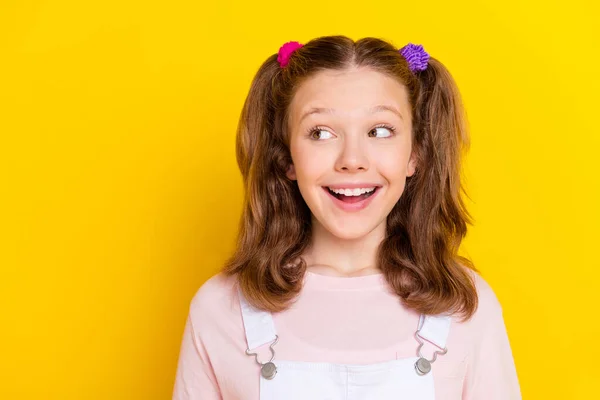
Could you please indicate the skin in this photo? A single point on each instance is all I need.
(347, 146)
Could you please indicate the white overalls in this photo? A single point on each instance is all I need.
(407, 378)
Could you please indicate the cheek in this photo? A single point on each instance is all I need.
(393, 167)
(308, 163)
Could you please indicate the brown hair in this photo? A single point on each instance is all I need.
(424, 229)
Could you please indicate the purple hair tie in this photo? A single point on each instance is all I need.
(416, 56)
(285, 52)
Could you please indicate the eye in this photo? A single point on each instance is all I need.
(383, 131)
(319, 133)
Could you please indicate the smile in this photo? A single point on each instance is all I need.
(352, 199)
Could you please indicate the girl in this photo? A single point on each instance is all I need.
(346, 283)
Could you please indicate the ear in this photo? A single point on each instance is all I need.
(412, 164)
(291, 172)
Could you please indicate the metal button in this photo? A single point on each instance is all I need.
(268, 370)
(422, 366)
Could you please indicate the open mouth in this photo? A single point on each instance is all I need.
(352, 196)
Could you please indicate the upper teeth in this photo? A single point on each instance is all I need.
(352, 192)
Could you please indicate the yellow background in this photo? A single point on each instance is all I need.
(120, 194)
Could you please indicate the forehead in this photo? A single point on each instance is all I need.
(349, 92)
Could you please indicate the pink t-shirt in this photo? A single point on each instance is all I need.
(356, 320)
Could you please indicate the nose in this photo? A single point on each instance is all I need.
(353, 155)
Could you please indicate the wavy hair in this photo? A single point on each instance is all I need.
(418, 255)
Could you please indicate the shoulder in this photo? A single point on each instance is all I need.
(217, 287)
(469, 337)
(489, 309)
(487, 300)
(215, 300)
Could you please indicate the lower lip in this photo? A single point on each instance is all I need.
(352, 206)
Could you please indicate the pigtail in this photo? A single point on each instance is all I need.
(430, 220)
(271, 233)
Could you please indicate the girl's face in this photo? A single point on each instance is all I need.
(351, 148)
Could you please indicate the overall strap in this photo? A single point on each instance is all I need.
(435, 328)
(258, 324)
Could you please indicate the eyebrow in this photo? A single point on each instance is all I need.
(372, 110)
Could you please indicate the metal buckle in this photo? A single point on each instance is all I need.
(423, 365)
(268, 370)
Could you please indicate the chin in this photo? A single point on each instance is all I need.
(352, 231)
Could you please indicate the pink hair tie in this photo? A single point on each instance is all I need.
(286, 51)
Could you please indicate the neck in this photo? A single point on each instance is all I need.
(330, 255)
